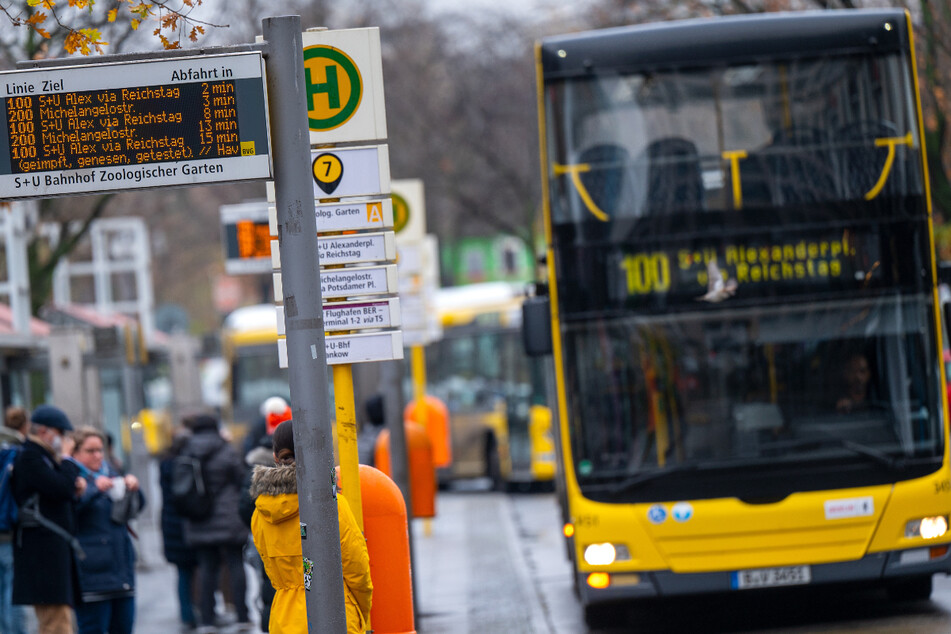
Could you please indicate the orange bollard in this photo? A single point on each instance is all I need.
(434, 416)
(422, 473)
(387, 531)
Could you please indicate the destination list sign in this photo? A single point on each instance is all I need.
(359, 315)
(361, 247)
(94, 128)
(355, 348)
(350, 282)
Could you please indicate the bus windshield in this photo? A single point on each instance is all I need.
(256, 377)
(479, 369)
(784, 388)
(768, 134)
(744, 275)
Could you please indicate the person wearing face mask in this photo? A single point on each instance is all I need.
(44, 567)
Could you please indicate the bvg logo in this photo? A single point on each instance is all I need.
(334, 87)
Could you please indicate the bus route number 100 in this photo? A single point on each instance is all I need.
(646, 273)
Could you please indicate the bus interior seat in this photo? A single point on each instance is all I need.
(861, 162)
(607, 177)
(674, 179)
(755, 181)
(801, 166)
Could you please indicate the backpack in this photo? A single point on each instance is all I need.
(8, 506)
(190, 495)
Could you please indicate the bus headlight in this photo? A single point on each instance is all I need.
(927, 527)
(605, 553)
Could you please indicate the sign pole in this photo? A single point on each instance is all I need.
(347, 439)
(419, 376)
(391, 386)
(303, 318)
(418, 364)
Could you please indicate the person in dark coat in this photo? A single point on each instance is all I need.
(107, 573)
(176, 550)
(370, 430)
(222, 534)
(44, 565)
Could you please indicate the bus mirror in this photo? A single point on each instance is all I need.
(536, 326)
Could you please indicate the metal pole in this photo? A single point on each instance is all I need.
(391, 383)
(304, 323)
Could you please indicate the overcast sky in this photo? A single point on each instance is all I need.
(517, 7)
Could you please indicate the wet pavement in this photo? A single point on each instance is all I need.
(493, 562)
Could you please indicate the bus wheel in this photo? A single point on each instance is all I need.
(914, 589)
(493, 464)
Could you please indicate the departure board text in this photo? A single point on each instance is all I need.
(197, 120)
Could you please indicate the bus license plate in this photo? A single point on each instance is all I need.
(771, 577)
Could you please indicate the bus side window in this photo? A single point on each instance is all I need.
(607, 178)
(674, 181)
(800, 165)
(861, 161)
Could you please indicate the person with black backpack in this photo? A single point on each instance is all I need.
(213, 469)
(176, 550)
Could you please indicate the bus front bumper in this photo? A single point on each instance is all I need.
(876, 567)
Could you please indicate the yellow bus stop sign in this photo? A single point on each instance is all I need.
(400, 212)
(334, 87)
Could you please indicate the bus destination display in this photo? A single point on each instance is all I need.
(131, 125)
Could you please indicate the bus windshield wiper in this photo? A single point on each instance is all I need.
(643, 477)
(892, 463)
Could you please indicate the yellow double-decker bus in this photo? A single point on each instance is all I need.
(743, 303)
(500, 424)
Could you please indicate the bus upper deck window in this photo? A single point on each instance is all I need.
(674, 181)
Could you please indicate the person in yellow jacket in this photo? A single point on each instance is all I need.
(275, 527)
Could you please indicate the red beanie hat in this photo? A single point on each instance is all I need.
(276, 411)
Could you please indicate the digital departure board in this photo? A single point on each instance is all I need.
(246, 238)
(130, 125)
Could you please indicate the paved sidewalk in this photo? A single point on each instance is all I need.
(487, 562)
(157, 587)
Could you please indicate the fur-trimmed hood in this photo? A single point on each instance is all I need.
(274, 491)
(276, 480)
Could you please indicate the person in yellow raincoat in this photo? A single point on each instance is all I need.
(275, 527)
